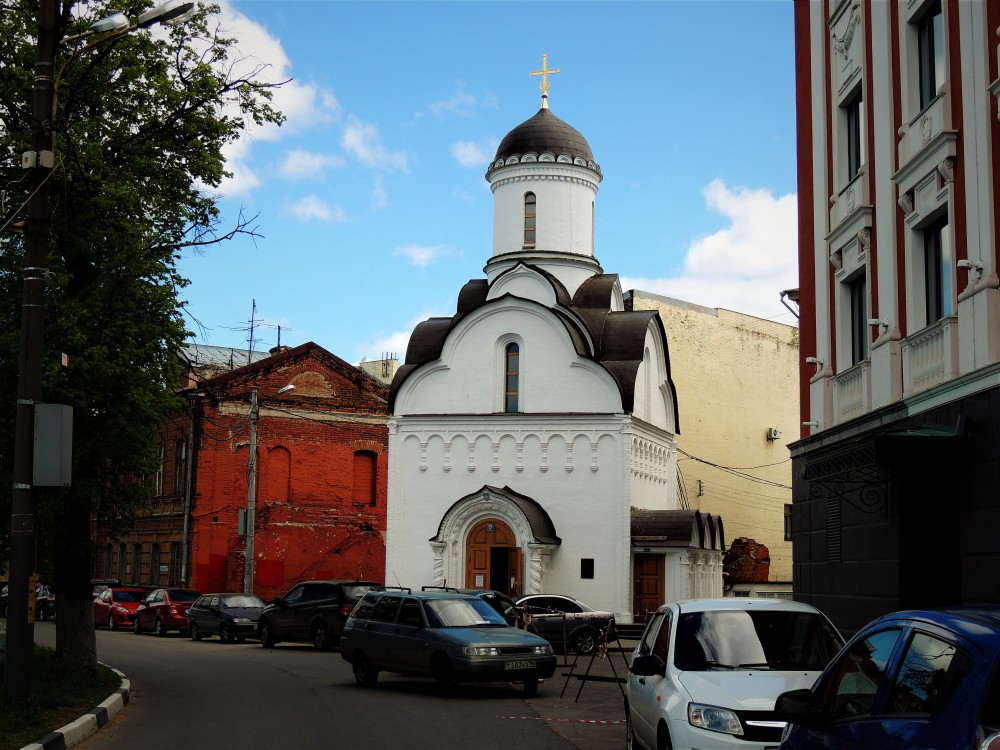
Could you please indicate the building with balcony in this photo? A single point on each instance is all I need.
(896, 493)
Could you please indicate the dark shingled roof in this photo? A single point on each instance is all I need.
(676, 528)
(544, 132)
(619, 338)
(542, 528)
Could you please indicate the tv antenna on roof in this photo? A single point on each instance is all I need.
(252, 325)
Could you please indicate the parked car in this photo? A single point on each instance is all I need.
(164, 610)
(567, 623)
(115, 607)
(312, 611)
(707, 672)
(100, 584)
(45, 603)
(913, 679)
(232, 617)
(445, 635)
(502, 603)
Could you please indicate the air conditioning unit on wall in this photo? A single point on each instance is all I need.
(773, 433)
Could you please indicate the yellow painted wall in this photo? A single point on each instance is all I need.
(736, 376)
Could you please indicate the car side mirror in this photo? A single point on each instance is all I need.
(647, 666)
(800, 707)
(276, 601)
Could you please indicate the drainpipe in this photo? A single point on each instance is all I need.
(187, 495)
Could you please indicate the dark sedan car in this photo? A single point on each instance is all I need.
(918, 679)
(45, 603)
(164, 610)
(232, 617)
(312, 611)
(567, 623)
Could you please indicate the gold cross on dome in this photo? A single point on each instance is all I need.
(544, 73)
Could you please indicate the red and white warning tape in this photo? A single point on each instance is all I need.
(572, 721)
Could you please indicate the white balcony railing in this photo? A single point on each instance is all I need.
(852, 392)
(930, 356)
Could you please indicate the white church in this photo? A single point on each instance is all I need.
(532, 435)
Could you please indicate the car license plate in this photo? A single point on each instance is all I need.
(519, 665)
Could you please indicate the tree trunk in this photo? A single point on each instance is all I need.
(75, 638)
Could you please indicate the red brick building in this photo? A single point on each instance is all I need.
(321, 477)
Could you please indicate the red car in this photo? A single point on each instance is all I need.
(115, 607)
(164, 610)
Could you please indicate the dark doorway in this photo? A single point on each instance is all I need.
(499, 566)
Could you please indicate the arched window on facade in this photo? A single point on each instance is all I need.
(365, 478)
(158, 477)
(136, 576)
(529, 219)
(154, 564)
(180, 464)
(512, 378)
(109, 552)
(122, 563)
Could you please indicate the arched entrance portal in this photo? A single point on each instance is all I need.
(492, 558)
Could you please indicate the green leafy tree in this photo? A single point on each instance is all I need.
(139, 130)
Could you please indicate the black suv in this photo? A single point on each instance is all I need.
(312, 611)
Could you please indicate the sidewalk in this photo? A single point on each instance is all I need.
(588, 712)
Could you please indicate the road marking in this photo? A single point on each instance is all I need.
(573, 721)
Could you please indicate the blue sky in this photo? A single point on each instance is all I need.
(372, 201)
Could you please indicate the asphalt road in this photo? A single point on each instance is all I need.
(207, 695)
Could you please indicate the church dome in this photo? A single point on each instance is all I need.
(544, 133)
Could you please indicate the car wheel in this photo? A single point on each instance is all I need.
(224, 635)
(158, 627)
(266, 634)
(444, 676)
(531, 687)
(319, 636)
(630, 741)
(194, 632)
(135, 626)
(364, 674)
(112, 625)
(663, 738)
(584, 640)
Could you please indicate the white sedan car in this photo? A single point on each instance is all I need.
(707, 672)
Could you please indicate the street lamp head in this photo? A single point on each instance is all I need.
(171, 12)
(286, 389)
(111, 23)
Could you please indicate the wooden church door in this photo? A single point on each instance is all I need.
(649, 582)
(492, 558)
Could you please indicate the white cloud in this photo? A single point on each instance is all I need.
(743, 267)
(421, 255)
(314, 208)
(259, 54)
(470, 154)
(301, 164)
(460, 103)
(362, 140)
(380, 198)
(396, 343)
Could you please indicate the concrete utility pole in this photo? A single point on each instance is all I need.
(21, 630)
(251, 494)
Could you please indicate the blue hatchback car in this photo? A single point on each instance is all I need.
(917, 679)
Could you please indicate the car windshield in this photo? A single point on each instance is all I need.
(355, 591)
(241, 600)
(755, 639)
(462, 613)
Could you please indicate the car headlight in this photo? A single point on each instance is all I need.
(242, 620)
(543, 650)
(714, 719)
(482, 651)
(121, 610)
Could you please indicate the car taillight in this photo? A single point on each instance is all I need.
(173, 611)
(346, 611)
(987, 740)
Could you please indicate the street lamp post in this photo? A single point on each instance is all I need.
(252, 488)
(40, 161)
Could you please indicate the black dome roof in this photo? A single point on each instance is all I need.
(544, 132)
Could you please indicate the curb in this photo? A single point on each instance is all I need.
(89, 723)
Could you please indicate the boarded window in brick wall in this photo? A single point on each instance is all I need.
(364, 478)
